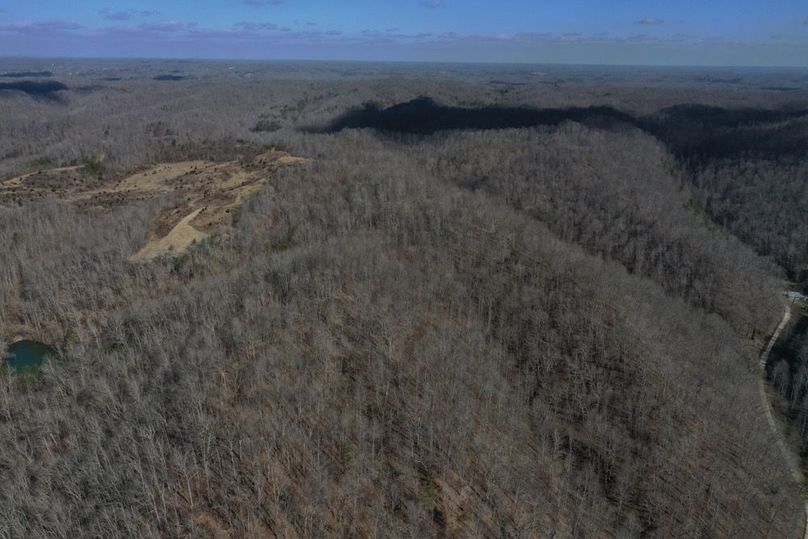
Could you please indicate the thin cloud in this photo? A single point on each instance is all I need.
(262, 3)
(126, 14)
(650, 21)
(28, 27)
(166, 26)
(255, 26)
(432, 4)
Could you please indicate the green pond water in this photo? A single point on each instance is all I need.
(28, 355)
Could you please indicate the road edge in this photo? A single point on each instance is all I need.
(791, 460)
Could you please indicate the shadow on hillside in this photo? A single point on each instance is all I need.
(690, 131)
(424, 116)
(702, 133)
(36, 89)
(721, 117)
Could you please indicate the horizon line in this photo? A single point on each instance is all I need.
(422, 62)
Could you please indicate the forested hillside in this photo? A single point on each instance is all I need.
(763, 202)
(748, 167)
(621, 196)
(505, 332)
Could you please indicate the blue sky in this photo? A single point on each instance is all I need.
(689, 32)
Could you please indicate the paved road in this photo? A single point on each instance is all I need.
(791, 459)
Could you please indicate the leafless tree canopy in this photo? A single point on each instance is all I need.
(520, 332)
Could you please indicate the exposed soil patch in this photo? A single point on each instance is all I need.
(182, 236)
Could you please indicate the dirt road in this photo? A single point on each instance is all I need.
(791, 459)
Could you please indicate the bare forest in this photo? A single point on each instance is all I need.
(326, 299)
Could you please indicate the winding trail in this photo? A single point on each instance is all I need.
(791, 459)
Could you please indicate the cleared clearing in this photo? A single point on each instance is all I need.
(205, 195)
(160, 177)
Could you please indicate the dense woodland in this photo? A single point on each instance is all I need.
(748, 167)
(544, 331)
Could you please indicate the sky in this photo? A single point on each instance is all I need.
(628, 32)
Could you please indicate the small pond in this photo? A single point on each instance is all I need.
(28, 355)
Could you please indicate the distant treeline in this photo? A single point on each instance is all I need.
(30, 74)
